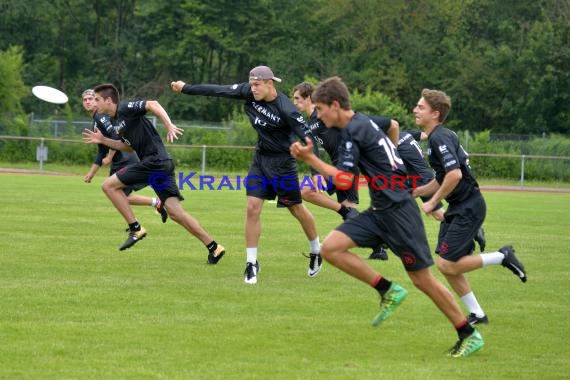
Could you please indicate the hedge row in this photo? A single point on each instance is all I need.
(237, 159)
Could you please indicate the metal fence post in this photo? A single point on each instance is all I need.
(203, 159)
(522, 169)
(42, 155)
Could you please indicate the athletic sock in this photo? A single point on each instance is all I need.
(343, 211)
(382, 285)
(493, 258)
(251, 255)
(155, 201)
(315, 246)
(470, 301)
(212, 246)
(135, 226)
(464, 329)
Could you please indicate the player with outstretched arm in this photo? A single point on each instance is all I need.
(273, 172)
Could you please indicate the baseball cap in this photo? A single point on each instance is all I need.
(88, 92)
(263, 73)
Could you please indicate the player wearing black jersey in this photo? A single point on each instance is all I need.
(455, 183)
(393, 218)
(413, 158)
(139, 135)
(329, 139)
(273, 172)
(417, 168)
(117, 160)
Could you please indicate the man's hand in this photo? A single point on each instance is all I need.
(88, 177)
(177, 86)
(300, 151)
(109, 157)
(173, 133)
(427, 207)
(92, 137)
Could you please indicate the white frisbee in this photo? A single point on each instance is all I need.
(50, 94)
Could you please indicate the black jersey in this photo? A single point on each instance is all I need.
(445, 154)
(383, 122)
(413, 157)
(137, 131)
(120, 159)
(365, 146)
(278, 123)
(330, 138)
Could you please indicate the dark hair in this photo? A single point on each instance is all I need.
(305, 89)
(330, 90)
(438, 101)
(107, 90)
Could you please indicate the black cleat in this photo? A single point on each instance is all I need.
(512, 263)
(250, 273)
(473, 319)
(134, 237)
(379, 253)
(480, 239)
(315, 264)
(214, 257)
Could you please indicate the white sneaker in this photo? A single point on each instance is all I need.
(315, 264)
(250, 273)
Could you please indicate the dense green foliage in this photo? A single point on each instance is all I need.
(505, 63)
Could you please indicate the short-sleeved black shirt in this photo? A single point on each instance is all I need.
(365, 146)
(445, 154)
(330, 138)
(411, 153)
(137, 131)
(120, 159)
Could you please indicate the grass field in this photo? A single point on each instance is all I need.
(73, 307)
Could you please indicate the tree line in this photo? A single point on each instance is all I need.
(505, 63)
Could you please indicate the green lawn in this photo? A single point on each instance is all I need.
(73, 307)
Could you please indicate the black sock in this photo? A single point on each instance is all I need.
(464, 330)
(343, 211)
(135, 226)
(212, 246)
(382, 285)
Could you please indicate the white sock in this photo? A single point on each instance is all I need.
(315, 246)
(155, 201)
(472, 305)
(493, 258)
(251, 255)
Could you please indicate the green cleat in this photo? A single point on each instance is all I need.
(467, 346)
(393, 297)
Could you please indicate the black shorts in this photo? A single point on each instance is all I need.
(273, 176)
(350, 195)
(461, 223)
(157, 174)
(129, 189)
(400, 227)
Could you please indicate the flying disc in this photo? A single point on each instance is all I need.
(49, 94)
